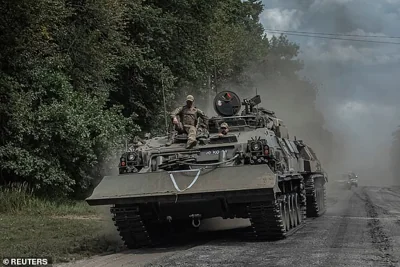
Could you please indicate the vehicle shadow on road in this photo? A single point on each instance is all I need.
(189, 240)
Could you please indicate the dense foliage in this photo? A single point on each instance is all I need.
(76, 76)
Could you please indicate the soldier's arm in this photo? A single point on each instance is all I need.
(176, 112)
(203, 116)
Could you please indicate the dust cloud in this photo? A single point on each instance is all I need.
(341, 147)
(108, 231)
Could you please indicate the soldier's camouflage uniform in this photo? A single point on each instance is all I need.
(187, 121)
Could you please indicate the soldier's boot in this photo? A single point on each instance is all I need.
(191, 131)
(169, 141)
(190, 144)
(171, 136)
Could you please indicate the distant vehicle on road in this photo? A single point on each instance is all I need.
(352, 180)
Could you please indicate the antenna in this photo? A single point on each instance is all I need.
(214, 67)
(215, 72)
(215, 76)
(257, 95)
(165, 105)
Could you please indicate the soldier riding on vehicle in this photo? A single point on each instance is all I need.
(185, 120)
(224, 129)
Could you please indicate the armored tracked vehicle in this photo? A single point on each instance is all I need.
(255, 171)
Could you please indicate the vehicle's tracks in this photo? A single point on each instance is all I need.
(379, 238)
(346, 234)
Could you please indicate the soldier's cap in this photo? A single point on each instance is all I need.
(190, 98)
(224, 125)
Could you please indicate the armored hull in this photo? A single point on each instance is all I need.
(254, 172)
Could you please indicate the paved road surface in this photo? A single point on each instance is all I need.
(360, 228)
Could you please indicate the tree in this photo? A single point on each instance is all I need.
(55, 130)
(187, 42)
(66, 67)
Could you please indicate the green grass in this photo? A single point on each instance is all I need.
(66, 230)
(18, 198)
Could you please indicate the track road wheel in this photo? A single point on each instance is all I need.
(130, 226)
(299, 212)
(286, 213)
(276, 219)
(290, 209)
(316, 196)
(282, 211)
(267, 221)
(294, 210)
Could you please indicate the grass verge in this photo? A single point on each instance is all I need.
(62, 230)
(18, 198)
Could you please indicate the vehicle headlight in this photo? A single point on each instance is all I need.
(131, 157)
(256, 146)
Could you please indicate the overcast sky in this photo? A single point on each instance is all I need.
(360, 81)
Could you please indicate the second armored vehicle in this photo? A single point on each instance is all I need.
(255, 171)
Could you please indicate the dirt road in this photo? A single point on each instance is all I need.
(360, 228)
